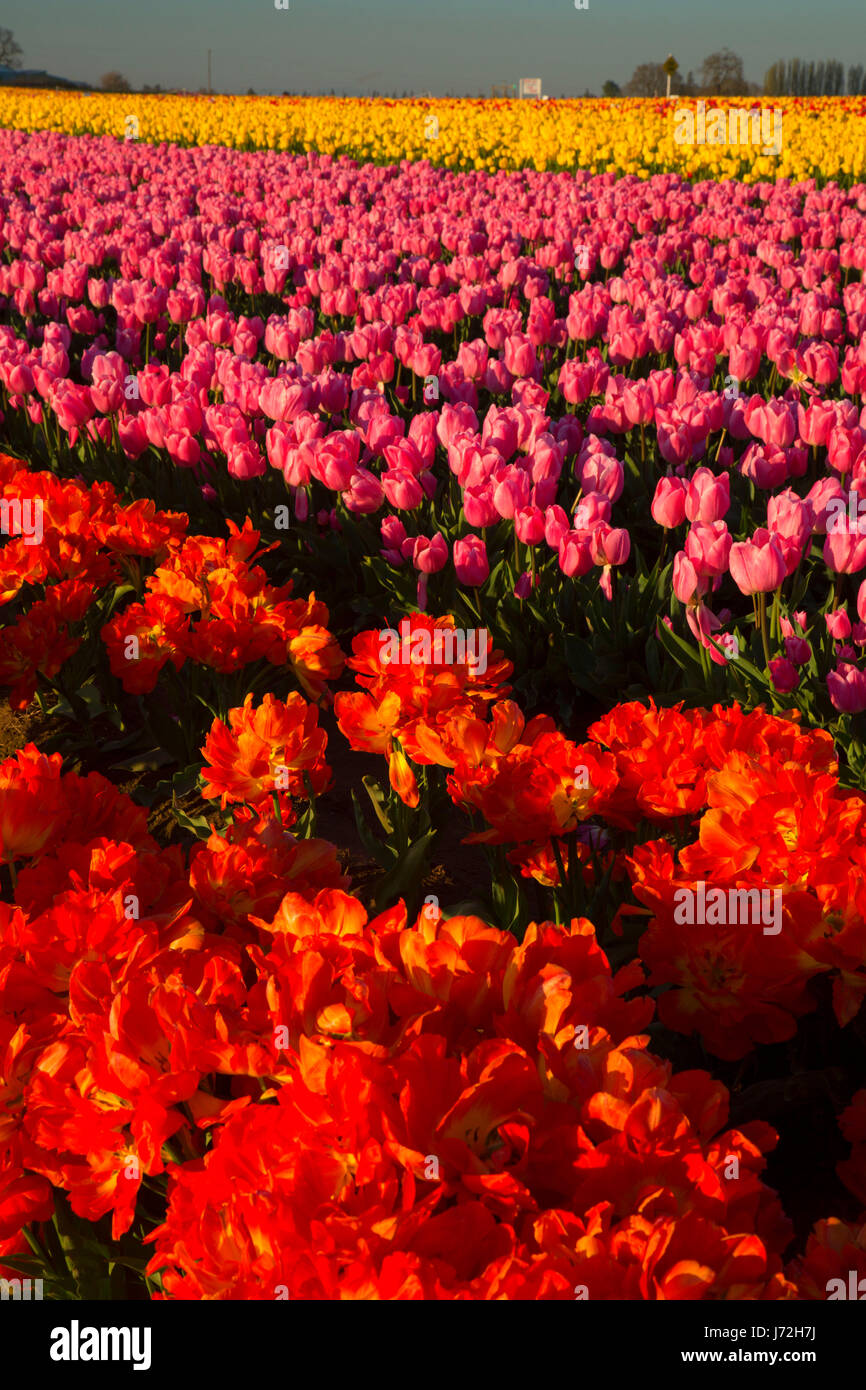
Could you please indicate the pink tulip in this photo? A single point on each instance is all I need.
(689, 583)
(529, 525)
(610, 545)
(133, 439)
(393, 538)
(470, 561)
(365, 493)
(757, 566)
(454, 420)
(708, 546)
(245, 461)
(576, 382)
(797, 650)
(847, 689)
(511, 488)
(838, 624)
(788, 515)
(575, 554)
(845, 447)
(669, 502)
(783, 675)
(816, 422)
(774, 421)
(430, 555)
(590, 510)
(708, 496)
(845, 551)
(402, 489)
(555, 526)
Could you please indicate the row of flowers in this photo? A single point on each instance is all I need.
(460, 404)
(224, 1060)
(816, 138)
(614, 430)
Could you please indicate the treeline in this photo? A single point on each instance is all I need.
(798, 79)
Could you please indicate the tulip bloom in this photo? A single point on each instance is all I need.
(708, 496)
(757, 566)
(470, 561)
(575, 554)
(689, 583)
(430, 555)
(847, 689)
(708, 546)
(669, 502)
(783, 674)
(839, 624)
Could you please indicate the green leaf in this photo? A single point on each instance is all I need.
(143, 762)
(681, 652)
(379, 800)
(506, 902)
(120, 592)
(186, 780)
(197, 825)
(92, 700)
(406, 874)
(383, 855)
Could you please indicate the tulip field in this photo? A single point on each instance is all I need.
(432, 702)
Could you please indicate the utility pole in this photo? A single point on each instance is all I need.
(209, 87)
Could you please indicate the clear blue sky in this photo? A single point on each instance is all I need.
(419, 45)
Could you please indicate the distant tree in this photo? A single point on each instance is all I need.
(722, 74)
(647, 80)
(114, 82)
(10, 51)
(799, 79)
(611, 89)
(251, 91)
(855, 80)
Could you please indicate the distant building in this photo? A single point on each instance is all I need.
(37, 77)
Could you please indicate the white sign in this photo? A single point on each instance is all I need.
(530, 87)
